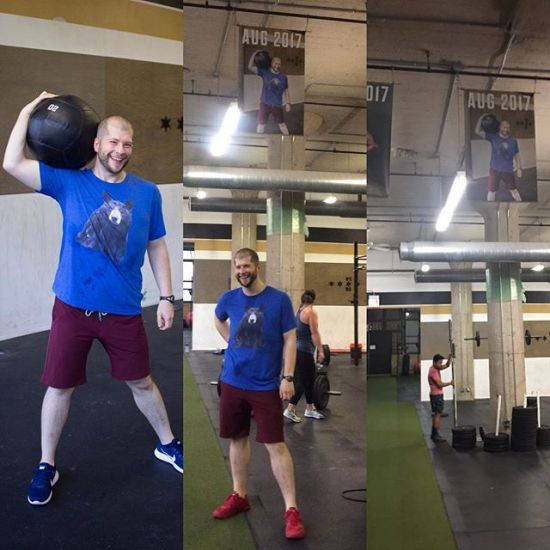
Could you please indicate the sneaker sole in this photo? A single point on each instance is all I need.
(314, 417)
(295, 537)
(168, 460)
(297, 421)
(42, 503)
(230, 515)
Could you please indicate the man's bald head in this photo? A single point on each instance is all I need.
(114, 121)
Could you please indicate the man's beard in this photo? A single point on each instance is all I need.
(104, 159)
(251, 278)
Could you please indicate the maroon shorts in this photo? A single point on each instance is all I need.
(72, 334)
(495, 177)
(265, 110)
(236, 406)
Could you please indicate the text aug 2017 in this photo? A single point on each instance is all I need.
(279, 39)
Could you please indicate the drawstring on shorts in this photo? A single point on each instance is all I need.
(100, 314)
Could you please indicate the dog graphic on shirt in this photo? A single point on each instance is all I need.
(249, 332)
(107, 228)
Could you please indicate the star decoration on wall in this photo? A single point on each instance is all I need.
(165, 123)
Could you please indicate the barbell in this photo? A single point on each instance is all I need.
(477, 338)
(528, 338)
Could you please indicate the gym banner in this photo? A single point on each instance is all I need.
(272, 81)
(379, 116)
(500, 146)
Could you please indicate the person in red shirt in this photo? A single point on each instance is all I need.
(436, 392)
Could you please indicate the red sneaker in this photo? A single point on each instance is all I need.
(231, 506)
(294, 528)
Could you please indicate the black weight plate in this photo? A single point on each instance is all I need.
(464, 430)
(321, 387)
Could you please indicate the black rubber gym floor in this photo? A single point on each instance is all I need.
(112, 492)
(329, 458)
(495, 501)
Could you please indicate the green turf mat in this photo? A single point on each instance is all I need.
(405, 510)
(206, 481)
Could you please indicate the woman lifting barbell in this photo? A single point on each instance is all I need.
(307, 339)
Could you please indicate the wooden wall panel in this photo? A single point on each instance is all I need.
(143, 92)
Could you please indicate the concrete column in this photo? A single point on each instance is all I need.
(243, 228)
(505, 316)
(285, 221)
(461, 311)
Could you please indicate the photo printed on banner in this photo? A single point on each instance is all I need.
(379, 117)
(500, 146)
(272, 83)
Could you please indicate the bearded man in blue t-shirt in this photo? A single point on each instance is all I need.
(275, 94)
(257, 321)
(505, 159)
(110, 219)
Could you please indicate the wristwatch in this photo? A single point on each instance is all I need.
(289, 378)
(170, 298)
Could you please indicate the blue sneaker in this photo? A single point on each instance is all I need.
(172, 453)
(40, 489)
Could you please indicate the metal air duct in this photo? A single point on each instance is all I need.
(274, 180)
(473, 276)
(426, 251)
(347, 209)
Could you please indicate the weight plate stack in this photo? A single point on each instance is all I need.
(531, 401)
(493, 443)
(543, 436)
(464, 437)
(524, 429)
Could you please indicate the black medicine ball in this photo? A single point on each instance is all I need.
(61, 131)
(490, 124)
(262, 60)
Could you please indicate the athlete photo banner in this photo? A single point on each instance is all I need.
(272, 81)
(379, 117)
(501, 161)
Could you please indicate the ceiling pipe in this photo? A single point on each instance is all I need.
(228, 7)
(450, 90)
(437, 20)
(473, 276)
(426, 251)
(274, 180)
(296, 5)
(447, 69)
(221, 49)
(344, 209)
(452, 67)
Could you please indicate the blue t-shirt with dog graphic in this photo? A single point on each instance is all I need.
(106, 230)
(253, 358)
(274, 85)
(503, 151)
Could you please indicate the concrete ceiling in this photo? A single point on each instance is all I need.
(431, 50)
(335, 77)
